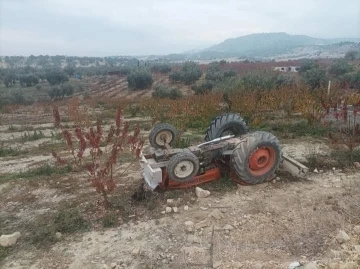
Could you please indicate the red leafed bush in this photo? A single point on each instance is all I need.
(97, 153)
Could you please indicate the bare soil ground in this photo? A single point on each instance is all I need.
(262, 226)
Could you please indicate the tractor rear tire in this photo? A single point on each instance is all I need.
(182, 167)
(256, 159)
(162, 133)
(226, 124)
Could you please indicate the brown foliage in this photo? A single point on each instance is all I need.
(97, 153)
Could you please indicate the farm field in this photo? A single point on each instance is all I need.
(63, 222)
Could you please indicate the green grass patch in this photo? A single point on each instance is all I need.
(110, 220)
(4, 252)
(292, 130)
(28, 136)
(66, 221)
(225, 183)
(6, 152)
(43, 170)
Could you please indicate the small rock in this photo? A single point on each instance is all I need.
(201, 193)
(311, 265)
(163, 212)
(175, 209)
(7, 240)
(58, 235)
(258, 266)
(357, 165)
(217, 264)
(228, 227)
(189, 226)
(316, 171)
(202, 224)
(135, 252)
(336, 254)
(170, 201)
(342, 237)
(357, 229)
(349, 265)
(334, 265)
(357, 248)
(113, 265)
(223, 210)
(294, 265)
(168, 209)
(216, 214)
(193, 239)
(186, 208)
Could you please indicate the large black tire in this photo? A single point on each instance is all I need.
(256, 159)
(226, 124)
(183, 166)
(161, 132)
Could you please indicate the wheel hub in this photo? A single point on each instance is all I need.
(164, 137)
(261, 161)
(184, 169)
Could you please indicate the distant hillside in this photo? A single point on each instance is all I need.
(266, 45)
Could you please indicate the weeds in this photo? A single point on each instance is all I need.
(98, 161)
(44, 229)
(110, 219)
(4, 251)
(4, 152)
(36, 135)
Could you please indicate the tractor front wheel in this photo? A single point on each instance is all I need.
(256, 159)
(162, 134)
(182, 167)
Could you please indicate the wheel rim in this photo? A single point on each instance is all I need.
(184, 169)
(164, 137)
(262, 161)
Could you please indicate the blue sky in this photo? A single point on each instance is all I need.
(118, 27)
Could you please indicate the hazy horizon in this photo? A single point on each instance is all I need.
(158, 27)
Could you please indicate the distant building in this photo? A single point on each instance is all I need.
(287, 68)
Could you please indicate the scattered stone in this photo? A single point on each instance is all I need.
(342, 237)
(294, 265)
(189, 226)
(175, 209)
(349, 265)
(357, 229)
(196, 255)
(202, 224)
(168, 209)
(193, 239)
(258, 266)
(357, 165)
(58, 235)
(334, 265)
(170, 201)
(228, 227)
(311, 265)
(316, 171)
(113, 265)
(216, 214)
(7, 240)
(217, 264)
(201, 193)
(336, 254)
(135, 252)
(186, 208)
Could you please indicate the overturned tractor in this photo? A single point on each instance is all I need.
(250, 158)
